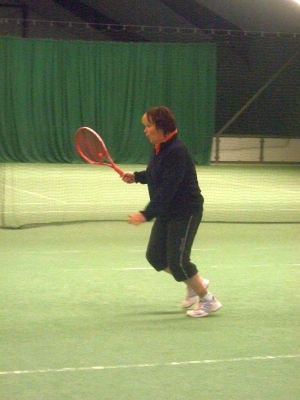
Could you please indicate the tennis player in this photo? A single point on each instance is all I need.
(176, 204)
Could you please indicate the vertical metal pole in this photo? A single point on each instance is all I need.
(217, 155)
(261, 150)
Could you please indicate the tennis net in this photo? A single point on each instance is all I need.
(60, 193)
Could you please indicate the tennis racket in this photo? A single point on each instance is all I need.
(92, 149)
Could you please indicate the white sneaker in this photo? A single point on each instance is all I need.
(191, 297)
(204, 308)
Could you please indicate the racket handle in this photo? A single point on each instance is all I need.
(118, 170)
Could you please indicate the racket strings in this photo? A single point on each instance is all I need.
(91, 147)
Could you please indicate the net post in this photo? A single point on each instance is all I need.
(261, 149)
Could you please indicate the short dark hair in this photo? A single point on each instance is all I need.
(163, 118)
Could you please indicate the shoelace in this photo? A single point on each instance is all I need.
(203, 305)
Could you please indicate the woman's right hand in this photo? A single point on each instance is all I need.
(128, 177)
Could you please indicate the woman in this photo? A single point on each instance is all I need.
(176, 204)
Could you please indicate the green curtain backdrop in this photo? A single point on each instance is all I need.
(50, 88)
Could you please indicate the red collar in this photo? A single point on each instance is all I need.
(167, 138)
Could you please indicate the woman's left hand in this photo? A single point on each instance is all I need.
(136, 219)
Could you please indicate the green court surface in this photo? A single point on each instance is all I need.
(83, 315)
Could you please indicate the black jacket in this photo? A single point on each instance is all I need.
(172, 182)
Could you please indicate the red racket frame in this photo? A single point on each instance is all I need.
(105, 152)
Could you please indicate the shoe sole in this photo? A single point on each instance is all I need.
(190, 313)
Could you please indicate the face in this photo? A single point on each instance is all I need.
(154, 135)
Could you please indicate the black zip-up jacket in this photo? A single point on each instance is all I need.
(172, 182)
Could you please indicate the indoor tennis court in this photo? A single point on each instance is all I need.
(83, 315)
(86, 317)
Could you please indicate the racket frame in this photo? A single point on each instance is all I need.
(105, 152)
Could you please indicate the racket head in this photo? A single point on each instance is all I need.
(90, 146)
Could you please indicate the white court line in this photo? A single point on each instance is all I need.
(132, 269)
(51, 252)
(143, 250)
(71, 203)
(36, 194)
(151, 365)
(266, 208)
(126, 250)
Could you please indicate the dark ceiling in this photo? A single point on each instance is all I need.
(193, 15)
(262, 15)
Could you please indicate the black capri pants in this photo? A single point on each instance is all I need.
(170, 245)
